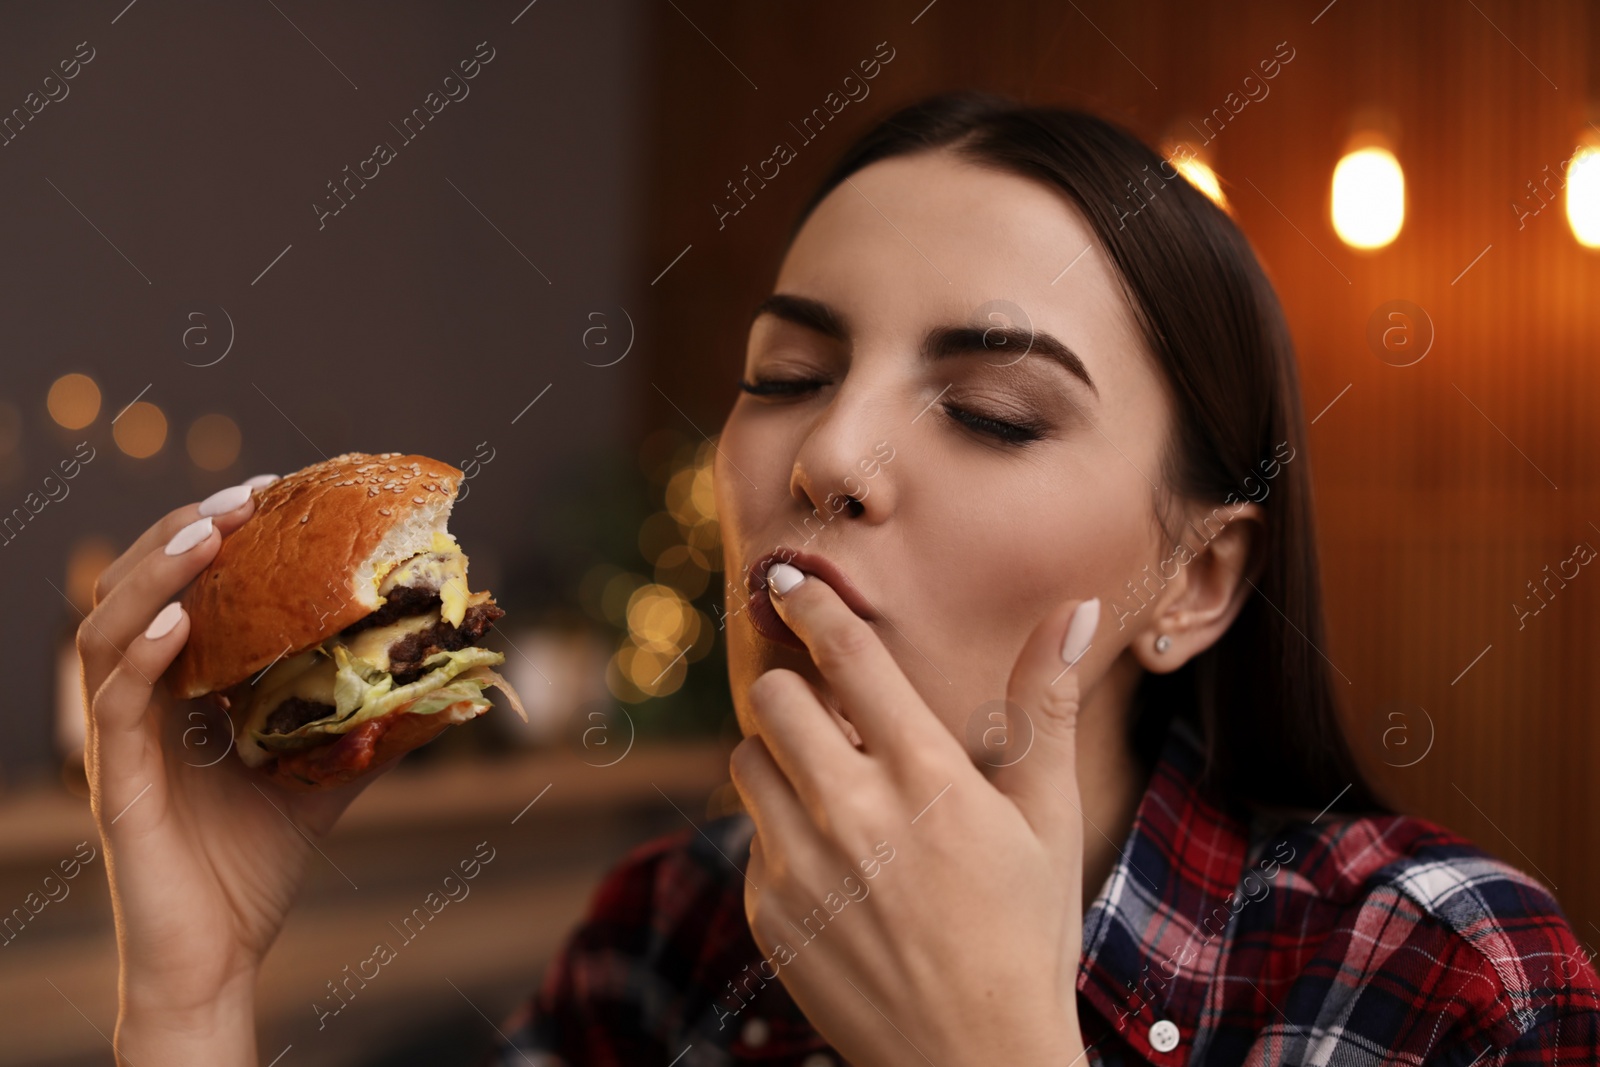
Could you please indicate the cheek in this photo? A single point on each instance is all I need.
(748, 450)
(1005, 561)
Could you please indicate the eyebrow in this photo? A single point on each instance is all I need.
(942, 342)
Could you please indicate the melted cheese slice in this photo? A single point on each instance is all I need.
(308, 676)
(443, 568)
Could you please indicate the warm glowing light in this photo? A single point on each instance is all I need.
(1202, 178)
(213, 442)
(74, 401)
(635, 674)
(1583, 196)
(1369, 198)
(88, 558)
(659, 618)
(615, 596)
(707, 538)
(690, 497)
(685, 568)
(141, 430)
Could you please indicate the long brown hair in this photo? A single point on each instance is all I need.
(1263, 696)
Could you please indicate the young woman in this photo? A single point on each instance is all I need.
(1041, 755)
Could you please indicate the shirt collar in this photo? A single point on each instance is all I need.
(1154, 934)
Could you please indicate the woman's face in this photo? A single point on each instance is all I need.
(992, 484)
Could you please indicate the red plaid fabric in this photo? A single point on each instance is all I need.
(1219, 938)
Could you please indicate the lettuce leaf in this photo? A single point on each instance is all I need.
(363, 692)
(468, 689)
(356, 682)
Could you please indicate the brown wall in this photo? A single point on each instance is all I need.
(420, 318)
(1444, 487)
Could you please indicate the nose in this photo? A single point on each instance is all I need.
(839, 470)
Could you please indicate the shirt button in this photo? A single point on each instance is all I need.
(755, 1033)
(817, 1059)
(1164, 1036)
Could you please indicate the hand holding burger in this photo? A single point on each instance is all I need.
(330, 613)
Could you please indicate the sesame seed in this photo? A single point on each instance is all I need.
(416, 500)
(303, 518)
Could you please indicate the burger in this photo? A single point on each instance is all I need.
(335, 627)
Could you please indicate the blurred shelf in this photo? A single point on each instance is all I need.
(38, 822)
(393, 848)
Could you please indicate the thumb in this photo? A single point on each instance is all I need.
(1042, 698)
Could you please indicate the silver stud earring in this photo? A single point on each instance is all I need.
(1163, 643)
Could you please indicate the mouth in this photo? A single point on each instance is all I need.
(765, 618)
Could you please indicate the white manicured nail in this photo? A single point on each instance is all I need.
(782, 577)
(165, 620)
(1080, 631)
(225, 500)
(260, 481)
(189, 536)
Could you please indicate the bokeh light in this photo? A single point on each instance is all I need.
(213, 442)
(1583, 195)
(141, 430)
(645, 673)
(74, 401)
(685, 568)
(1203, 178)
(89, 557)
(689, 495)
(665, 632)
(659, 618)
(614, 599)
(1369, 198)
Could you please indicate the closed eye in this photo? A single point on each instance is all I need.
(1001, 430)
(780, 387)
(1009, 432)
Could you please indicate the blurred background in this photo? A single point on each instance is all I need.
(211, 272)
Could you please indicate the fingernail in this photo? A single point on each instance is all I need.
(225, 500)
(782, 577)
(189, 536)
(1080, 631)
(260, 481)
(165, 620)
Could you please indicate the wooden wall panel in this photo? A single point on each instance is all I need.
(1443, 487)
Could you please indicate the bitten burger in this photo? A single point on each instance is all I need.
(336, 626)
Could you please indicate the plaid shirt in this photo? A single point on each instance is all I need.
(1219, 938)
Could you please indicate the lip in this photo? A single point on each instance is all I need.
(765, 618)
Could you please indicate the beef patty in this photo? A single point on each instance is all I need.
(406, 655)
(295, 713)
(401, 601)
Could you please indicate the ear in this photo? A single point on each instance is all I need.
(1219, 561)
